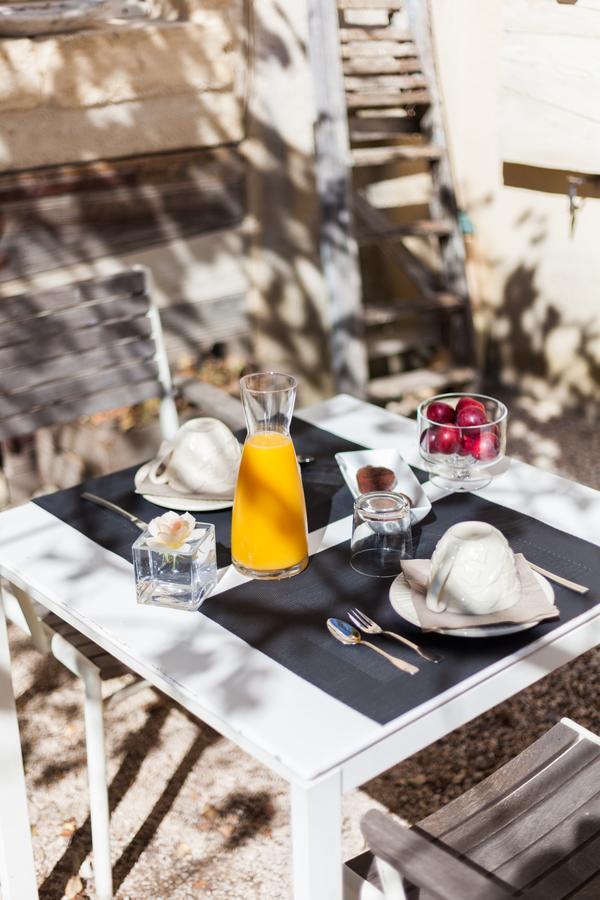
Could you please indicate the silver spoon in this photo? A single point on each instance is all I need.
(346, 634)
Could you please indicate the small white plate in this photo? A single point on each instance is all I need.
(406, 482)
(401, 600)
(176, 501)
(187, 504)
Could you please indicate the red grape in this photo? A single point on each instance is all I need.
(447, 439)
(428, 439)
(469, 416)
(469, 401)
(440, 412)
(486, 446)
(467, 442)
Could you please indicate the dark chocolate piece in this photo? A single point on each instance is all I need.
(375, 478)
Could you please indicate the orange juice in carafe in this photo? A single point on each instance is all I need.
(269, 532)
(269, 514)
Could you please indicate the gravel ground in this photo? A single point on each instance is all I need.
(195, 817)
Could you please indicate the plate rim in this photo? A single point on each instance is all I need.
(176, 501)
(476, 631)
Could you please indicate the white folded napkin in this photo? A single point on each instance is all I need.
(532, 606)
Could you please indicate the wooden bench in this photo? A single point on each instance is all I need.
(532, 830)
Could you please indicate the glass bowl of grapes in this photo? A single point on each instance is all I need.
(462, 437)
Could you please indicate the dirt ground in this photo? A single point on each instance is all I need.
(195, 817)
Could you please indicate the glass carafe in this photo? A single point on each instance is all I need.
(269, 536)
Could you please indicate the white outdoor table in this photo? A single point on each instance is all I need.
(319, 745)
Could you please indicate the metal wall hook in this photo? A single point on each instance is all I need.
(574, 182)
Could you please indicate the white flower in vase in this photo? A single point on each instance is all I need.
(171, 532)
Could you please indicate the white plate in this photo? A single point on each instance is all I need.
(186, 504)
(176, 501)
(406, 482)
(401, 600)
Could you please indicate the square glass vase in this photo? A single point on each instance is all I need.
(179, 579)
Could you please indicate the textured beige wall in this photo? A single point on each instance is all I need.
(540, 288)
(98, 68)
(288, 300)
(550, 78)
(112, 92)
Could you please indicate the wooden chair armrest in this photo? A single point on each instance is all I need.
(429, 864)
(212, 401)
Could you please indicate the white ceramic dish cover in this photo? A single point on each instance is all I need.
(401, 600)
(179, 502)
(406, 482)
(473, 570)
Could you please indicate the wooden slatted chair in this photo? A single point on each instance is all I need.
(531, 830)
(76, 350)
(90, 346)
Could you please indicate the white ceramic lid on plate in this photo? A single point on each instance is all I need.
(406, 482)
(401, 600)
(180, 502)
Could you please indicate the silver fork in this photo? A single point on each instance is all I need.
(367, 625)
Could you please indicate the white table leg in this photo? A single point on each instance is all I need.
(17, 872)
(317, 838)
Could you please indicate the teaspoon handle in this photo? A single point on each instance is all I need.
(572, 585)
(399, 663)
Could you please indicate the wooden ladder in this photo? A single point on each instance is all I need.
(417, 315)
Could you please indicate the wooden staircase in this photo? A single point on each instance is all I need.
(417, 314)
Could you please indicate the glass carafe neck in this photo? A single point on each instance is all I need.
(268, 400)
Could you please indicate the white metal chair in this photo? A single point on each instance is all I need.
(91, 346)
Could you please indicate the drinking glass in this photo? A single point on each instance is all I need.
(269, 537)
(381, 533)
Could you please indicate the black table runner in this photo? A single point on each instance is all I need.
(286, 619)
(328, 499)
